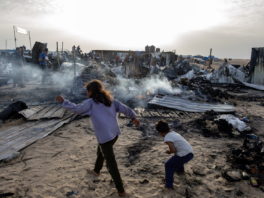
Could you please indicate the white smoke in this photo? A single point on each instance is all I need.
(65, 76)
(157, 84)
(140, 89)
(33, 74)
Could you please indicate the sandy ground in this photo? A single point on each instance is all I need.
(58, 164)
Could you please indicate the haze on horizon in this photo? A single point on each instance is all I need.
(230, 27)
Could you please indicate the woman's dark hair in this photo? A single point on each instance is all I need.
(98, 92)
(162, 127)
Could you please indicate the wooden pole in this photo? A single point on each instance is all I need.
(74, 62)
(210, 58)
(58, 58)
(61, 46)
(15, 36)
(29, 40)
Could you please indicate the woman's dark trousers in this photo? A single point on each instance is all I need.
(105, 152)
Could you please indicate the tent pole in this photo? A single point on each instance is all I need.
(15, 36)
(29, 40)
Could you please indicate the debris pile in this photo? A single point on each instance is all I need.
(227, 74)
(180, 68)
(213, 124)
(248, 161)
(204, 90)
(190, 96)
(236, 123)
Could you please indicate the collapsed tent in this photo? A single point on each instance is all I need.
(226, 74)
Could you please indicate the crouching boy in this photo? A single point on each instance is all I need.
(181, 149)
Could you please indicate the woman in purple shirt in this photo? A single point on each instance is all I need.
(103, 109)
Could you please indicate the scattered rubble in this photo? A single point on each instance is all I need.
(212, 124)
(232, 175)
(181, 67)
(160, 85)
(8, 194)
(249, 159)
(236, 123)
(226, 74)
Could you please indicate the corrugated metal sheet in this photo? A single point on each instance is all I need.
(188, 105)
(43, 112)
(257, 66)
(18, 137)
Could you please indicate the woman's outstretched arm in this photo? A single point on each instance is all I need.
(122, 108)
(83, 108)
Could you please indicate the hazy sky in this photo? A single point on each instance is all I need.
(230, 27)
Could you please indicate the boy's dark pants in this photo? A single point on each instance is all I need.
(105, 152)
(175, 164)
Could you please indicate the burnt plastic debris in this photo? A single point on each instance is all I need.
(245, 175)
(176, 124)
(12, 110)
(245, 119)
(145, 181)
(252, 142)
(232, 175)
(206, 124)
(250, 159)
(9, 194)
(71, 193)
(203, 88)
(224, 126)
(254, 182)
(213, 124)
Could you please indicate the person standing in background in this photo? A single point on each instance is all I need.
(44, 62)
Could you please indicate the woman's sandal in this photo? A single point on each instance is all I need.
(92, 172)
(122, 194)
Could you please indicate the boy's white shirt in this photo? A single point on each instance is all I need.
(182, 146)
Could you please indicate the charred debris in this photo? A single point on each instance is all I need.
(194, 93)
